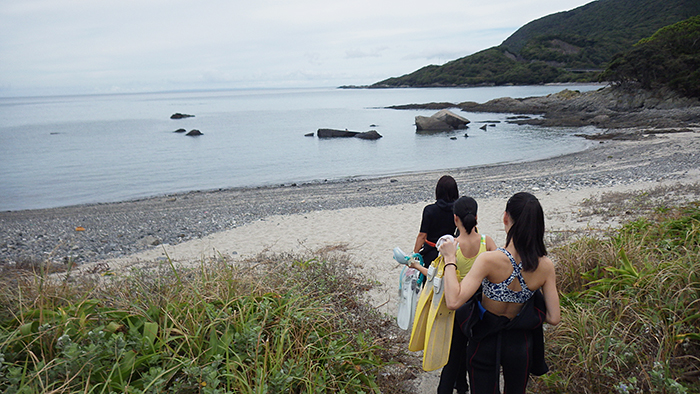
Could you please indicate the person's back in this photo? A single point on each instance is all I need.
(503, 292)
(437, 219)
(471, 245)
(509, 278)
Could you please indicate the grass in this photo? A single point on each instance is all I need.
(269, 325)
(630, 309)
(299, 324)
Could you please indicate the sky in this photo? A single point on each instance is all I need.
(53, 47)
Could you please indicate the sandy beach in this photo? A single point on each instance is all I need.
(366, 217)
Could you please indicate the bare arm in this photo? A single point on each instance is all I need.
(419, 267)
(456, 293)
(490, 244)
(551, 296)
(420, 240)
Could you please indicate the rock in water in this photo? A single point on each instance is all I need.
(428, 123)
(443, 120)
(333, 133)
(194, 133)
(180, 116)
(369, 135)
(452, 119)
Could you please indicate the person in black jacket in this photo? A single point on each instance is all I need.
(437, 220)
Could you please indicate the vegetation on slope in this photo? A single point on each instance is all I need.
(630, 321)
(572, 46)
(670, 58)
(630, 309)
(271, 326)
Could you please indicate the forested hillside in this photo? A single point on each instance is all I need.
(670, 58)
(571, 46)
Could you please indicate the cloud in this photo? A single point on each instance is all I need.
(363, 53)
(80, 46)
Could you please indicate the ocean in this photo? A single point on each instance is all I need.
(69, 150)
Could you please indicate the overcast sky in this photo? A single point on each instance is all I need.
(102, 46)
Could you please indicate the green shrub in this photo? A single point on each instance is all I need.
(630, 309)
(268, 327)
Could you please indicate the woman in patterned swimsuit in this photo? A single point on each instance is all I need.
(498, 340)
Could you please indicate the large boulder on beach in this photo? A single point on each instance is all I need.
(334, 133)
(443, 120)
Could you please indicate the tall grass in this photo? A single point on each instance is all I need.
(270, 325)
(630, 309)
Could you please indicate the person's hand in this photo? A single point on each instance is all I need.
(448, 248)
(414, 264)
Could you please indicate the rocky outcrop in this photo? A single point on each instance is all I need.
(180, 130)
(443, 120)
(333, 133)
(180, 116)
(611, 107)
(194, 133)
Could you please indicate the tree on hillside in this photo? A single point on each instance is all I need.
(570, 46)
(671, 58)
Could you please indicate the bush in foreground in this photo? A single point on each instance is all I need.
(269, 326)
(630, 309)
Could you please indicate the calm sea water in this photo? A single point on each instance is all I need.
(59, 151)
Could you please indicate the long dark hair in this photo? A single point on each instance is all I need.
(465, 208)
(527, 231)
(446, 189)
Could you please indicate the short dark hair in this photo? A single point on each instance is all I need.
(465, 208)
(446, 189)
(527, 231)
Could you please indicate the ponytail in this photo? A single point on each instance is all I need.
(527, 231)
(465, 208)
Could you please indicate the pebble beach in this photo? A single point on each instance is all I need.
(361, 218)
(89, 233)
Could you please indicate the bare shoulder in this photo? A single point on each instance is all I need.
(546, 265)
(491, 256)
(490, 243)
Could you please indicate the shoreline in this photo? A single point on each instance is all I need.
(360, 220)
(122, 228)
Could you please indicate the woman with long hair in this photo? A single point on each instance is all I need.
(504, 333)
(471, 245)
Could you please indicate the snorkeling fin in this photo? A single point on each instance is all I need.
(409, 288)
(409, 291)
(420, 320)
(439, 324)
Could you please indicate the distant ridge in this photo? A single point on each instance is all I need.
(570, 46)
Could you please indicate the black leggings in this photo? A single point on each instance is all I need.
(454, 373)
(484, 358)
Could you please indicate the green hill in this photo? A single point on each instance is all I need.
(571, 46)
(670, 58)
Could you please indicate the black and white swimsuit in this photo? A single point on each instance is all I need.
(501, 292)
